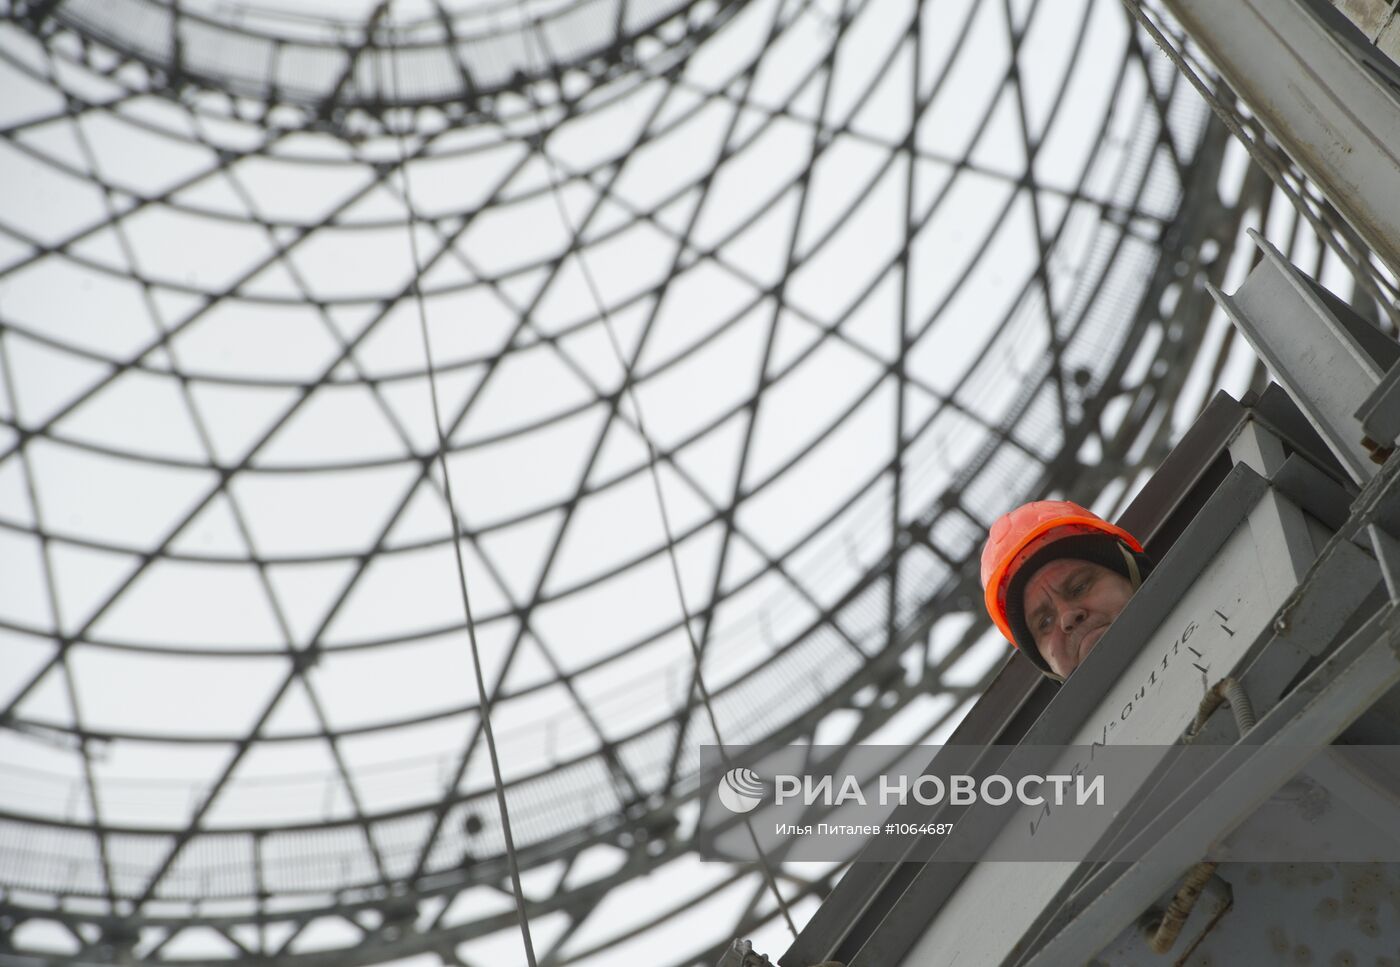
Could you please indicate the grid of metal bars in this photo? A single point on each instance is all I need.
(1080, 249)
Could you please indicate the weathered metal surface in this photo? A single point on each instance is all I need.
(1330, 110)
(1378, 23)
(1330, 915)
(1346, 684)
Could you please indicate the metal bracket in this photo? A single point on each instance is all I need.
(742, 954)
(1316, 353)
(1380, 413)
(1312, 490)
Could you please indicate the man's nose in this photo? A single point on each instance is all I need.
(1071, 616)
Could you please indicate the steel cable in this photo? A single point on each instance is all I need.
(483, 696)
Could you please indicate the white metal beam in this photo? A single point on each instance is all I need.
(1309, 350)
(1337, 118)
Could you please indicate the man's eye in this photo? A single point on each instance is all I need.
(1081, 587)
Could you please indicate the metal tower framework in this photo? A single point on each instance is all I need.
(1024, 321)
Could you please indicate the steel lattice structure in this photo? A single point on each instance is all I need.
(876, 271)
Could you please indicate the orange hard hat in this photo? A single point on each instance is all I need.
(1017, 536)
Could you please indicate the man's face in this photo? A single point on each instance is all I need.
(1069, 605)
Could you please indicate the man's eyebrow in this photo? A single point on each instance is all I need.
(1074, 576)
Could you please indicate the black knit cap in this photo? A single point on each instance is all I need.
(1103, 549)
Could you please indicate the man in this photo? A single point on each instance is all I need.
(1056, 576)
